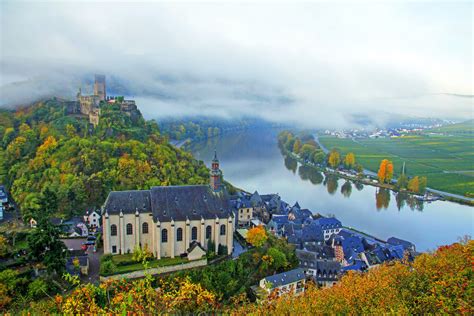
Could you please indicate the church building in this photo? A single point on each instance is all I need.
(169, 220)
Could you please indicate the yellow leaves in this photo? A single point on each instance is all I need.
(49, 143)
(257, 236)
(385, 172)
(334, 158)
(349, 161)
(414, 184)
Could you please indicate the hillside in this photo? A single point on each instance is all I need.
(435, 283)
(43, 147)
(466, 128)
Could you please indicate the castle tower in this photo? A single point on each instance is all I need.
(216, 174)
(99, 87)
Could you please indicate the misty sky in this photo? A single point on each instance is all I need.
(314, 64)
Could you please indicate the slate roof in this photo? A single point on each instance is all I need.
(351, 244)
(329, 222)
(326, 270)
(321, 251)
(179, 203)
(285, 278)
(358, 265)
(397, 241)
(312, 232)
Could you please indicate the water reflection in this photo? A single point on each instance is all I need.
(382, 198)
(311, 174)
(291, 164)
(252, 160)
(346, 189)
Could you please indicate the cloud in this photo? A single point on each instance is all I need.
(312, 64)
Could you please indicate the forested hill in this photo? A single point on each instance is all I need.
(42, 147)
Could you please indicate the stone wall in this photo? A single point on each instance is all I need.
(156, 271)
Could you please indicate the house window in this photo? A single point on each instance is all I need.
(194, 233)
(113, 230)
(208, 232)
(179, 234)
(114, 249)
(164, 235)
(145, 228)
(129, 229)
(222, 230)
(248, 216)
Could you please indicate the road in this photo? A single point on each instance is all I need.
(94, 259)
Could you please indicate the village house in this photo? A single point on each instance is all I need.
(77, 262)
(169, 220)
(92, 219)
(329, 225)
(244, 211)
(324, 272)
(293, 280)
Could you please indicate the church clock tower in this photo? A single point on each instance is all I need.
(216, 174)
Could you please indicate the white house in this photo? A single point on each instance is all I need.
(293, 280)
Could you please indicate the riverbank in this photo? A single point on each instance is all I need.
(446, 162)
(368, 180)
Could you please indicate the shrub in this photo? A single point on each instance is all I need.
(107, 267)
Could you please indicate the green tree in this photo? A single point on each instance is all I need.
(279, 260)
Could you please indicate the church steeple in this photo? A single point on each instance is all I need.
(216, 174)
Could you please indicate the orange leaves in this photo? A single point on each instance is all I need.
(349, 161)
(257, 236)
(438, 283)
(49, 143)
(385, 173)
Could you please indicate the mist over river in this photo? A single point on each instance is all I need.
(251, 160)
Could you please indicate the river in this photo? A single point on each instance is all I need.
(251, 160)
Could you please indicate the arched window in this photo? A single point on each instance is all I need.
(113, 230)
(164, 235)
(208, 232)
(179, 234)
(194, 233)
(222, 230)
(129, 229)
(145, 228)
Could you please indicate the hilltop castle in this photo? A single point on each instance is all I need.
(89, 105)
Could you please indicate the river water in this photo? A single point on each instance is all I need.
(251, 160)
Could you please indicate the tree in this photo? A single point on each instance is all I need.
(334, 158)
(44, 241)
(4, 247)
(414, 184)
(297, 146)
(385, 173)
(257, 236)
(278, 258)
(402, 181)
(318, 157)
(349, 160)
(422, 185)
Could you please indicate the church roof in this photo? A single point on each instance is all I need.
(179, 203)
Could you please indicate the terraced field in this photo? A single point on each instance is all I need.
(446, 160)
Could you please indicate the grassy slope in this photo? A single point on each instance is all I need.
(447, 161)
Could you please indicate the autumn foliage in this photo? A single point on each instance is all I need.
(385, 173)
(334, 158)
(257, 236)
(136, 298)
(349, 160)
(437, 283)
